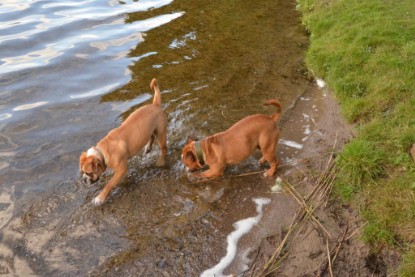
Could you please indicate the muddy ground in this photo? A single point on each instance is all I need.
(340, 226)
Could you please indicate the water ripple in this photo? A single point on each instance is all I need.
(59, 51)
(114, 36)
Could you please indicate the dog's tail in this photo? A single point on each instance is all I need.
(157, 96)
(275, 116)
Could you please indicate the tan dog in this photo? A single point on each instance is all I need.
(120, 144)
(236, 144)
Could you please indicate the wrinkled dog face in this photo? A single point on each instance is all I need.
(91, 168)
(189, 157)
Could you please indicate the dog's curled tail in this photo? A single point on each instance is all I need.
(275, 116)
(157, 96)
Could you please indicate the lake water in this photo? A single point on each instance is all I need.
(70, 71)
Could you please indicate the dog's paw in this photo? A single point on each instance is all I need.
(267, 174)
(98, 201)
(160, 162)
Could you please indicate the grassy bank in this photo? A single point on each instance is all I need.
(365, 51)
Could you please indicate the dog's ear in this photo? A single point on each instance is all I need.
(95, 166)
(89, 167)
(190, 156)
(82, 159)
(92, 165)
(190, 139)
(100, 165)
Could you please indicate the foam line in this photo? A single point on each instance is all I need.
(291, 143)
(242, 227)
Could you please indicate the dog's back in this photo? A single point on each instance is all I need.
(138, 128)
(257, 123)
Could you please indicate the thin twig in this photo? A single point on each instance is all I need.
(329, 184)
(356, 231)
(240, 175)
(340, 243)
(328, 193)
(250, 173)
(278, 251)
(323, 187)
(309, 211)
(329, 257)
(321, 179)
(227, 177)
(333, 254)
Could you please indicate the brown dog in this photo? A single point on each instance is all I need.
(236, 144)
(120, 144)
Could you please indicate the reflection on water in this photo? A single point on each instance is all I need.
(96, 92)
(5, 116)
(30, 106)
(52, 50)
(70, 71)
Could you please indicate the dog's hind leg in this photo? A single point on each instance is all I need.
(270, 156)
(270, 172)
(162, 140)
(149, 145)
(262, 160)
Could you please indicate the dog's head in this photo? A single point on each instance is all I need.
(91, 168)
(189, 156)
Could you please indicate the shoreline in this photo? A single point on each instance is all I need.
(306, 242)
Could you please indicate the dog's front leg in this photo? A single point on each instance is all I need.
(119, 174)
(212, 172)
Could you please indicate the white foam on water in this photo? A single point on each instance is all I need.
(291, 143)
(307, 130)
(320, 83)
(277, 187)
(242, 227)
(245, 259)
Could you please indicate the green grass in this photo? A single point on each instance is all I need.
(365, 51)
(408, 264)
(361, 162)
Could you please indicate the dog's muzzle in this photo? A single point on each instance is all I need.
(88, 180)
(188, 169)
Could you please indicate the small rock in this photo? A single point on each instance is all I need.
(413, 152)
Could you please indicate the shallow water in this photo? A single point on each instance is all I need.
(71, 71)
